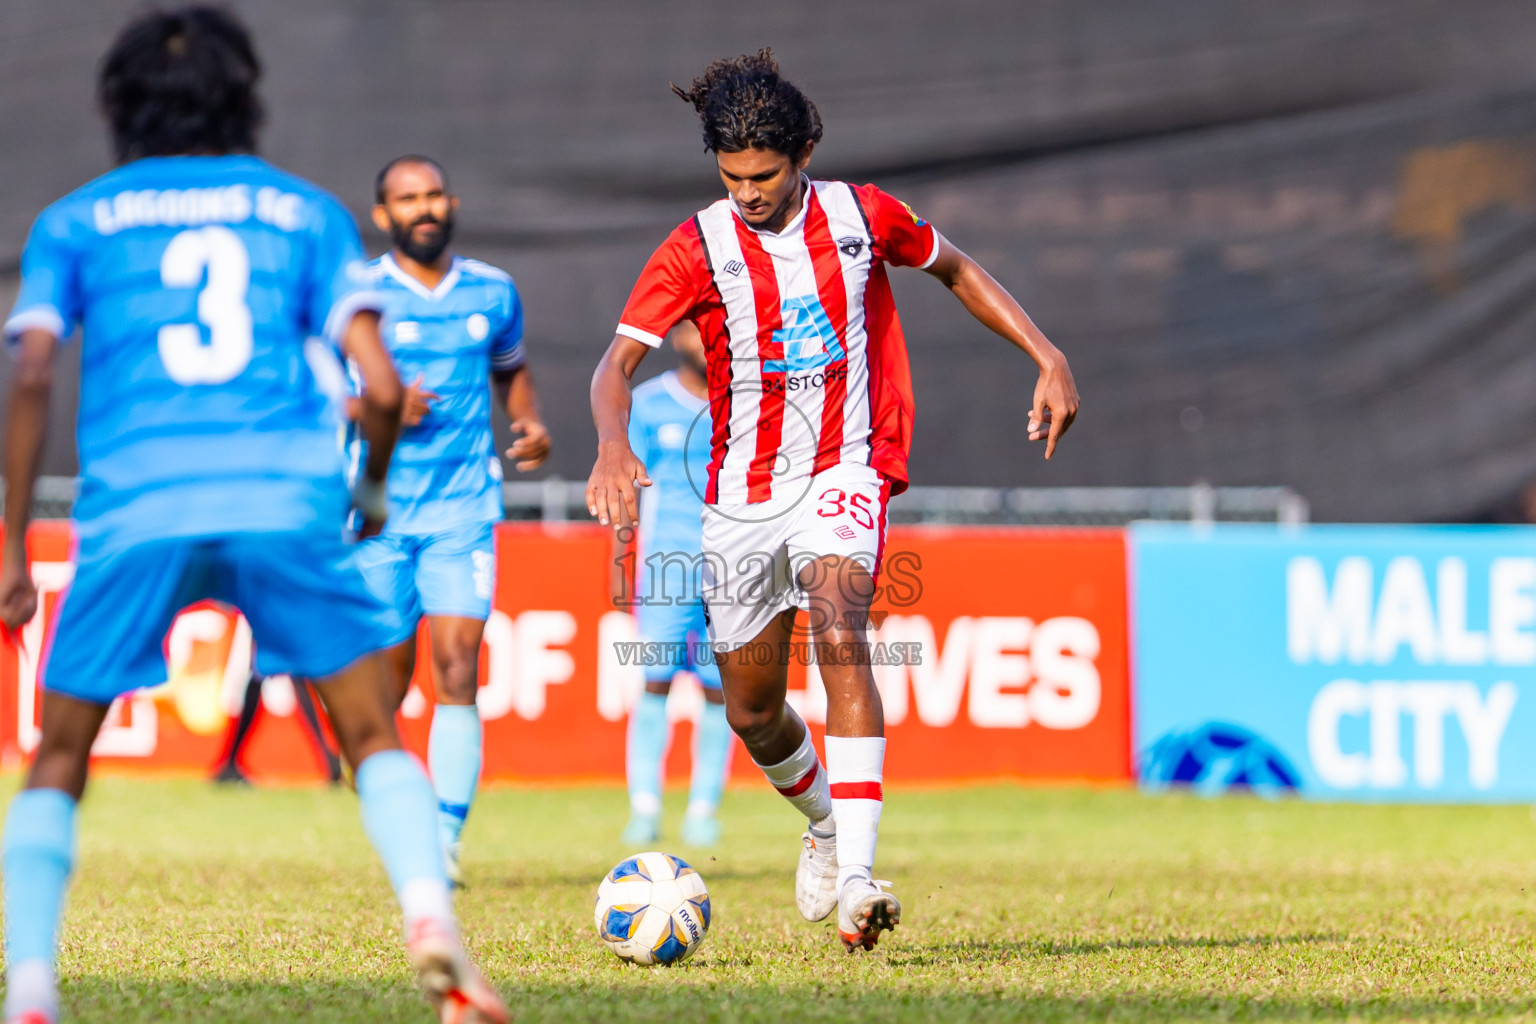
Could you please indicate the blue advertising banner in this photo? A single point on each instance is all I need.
(1340, 662)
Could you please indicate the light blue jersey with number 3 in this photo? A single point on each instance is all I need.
(198, 281)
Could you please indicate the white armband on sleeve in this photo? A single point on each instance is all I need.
(370, 497)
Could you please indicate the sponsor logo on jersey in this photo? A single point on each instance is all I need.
(484, 563)
(915, 218)
(807, 336)
(805, 381)
(734, 267)
(407, 331)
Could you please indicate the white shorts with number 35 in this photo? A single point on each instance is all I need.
(752, 552)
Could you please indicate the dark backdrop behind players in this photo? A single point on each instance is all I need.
(1282, 244)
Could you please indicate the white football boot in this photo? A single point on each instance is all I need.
(816, 875)
(864, 910)
(32, 995)
(31, 1017)
(451, 865)
(451, 983)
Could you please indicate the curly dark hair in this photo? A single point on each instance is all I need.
(745, 104)
(181, 81)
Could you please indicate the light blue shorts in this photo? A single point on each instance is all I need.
(310, 612)
(682, 627)
(448, 573)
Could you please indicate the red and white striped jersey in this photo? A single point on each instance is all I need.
(807, 362)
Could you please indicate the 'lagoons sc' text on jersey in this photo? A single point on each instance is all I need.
(198, 282)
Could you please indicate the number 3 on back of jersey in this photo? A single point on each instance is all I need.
(221, 306)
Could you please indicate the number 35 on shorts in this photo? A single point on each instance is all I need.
(834, 501)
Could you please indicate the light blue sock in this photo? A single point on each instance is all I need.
(38, 855)
(399, 814)
(711, 760)
(454, 752)
(647, 745)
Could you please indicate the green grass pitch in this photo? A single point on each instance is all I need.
(192, 904)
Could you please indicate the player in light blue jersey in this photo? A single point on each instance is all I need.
(208, 467)
(449, 322)
(669, 429)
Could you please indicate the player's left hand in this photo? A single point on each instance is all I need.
(418, 402)
(18, 594)
(532, 445)
(1055, 405)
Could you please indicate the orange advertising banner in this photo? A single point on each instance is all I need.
(999, 652)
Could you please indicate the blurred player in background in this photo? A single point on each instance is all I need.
(208, 467)
(449, 323)
(669, 431)
(229, 770)
(811, 409)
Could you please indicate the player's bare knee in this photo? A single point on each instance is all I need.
(458, 676)
(754, 724)
(61, 761)
(60, 768)
(63, 750)
(361, 735)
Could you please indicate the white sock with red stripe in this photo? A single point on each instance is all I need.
(803, 782)
(855, 767)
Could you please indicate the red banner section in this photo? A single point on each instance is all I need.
(1000, 652)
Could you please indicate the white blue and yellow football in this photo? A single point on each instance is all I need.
(652, 908)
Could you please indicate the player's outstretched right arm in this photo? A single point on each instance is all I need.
(611, 494)
(26, 430)
(381, 403)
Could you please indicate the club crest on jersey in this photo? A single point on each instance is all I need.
(808, 337)
(851, 246)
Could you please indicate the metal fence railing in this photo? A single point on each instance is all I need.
(1098, 506)
(557, 500)
(52, 497)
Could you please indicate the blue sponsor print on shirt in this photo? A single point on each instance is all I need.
(808, 337)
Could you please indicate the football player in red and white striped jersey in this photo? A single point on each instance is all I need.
(810, 419)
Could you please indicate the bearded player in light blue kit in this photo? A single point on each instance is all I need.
(208, 467)
(449, 323)
(669, 430)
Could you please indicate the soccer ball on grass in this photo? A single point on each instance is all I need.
(652, 908)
